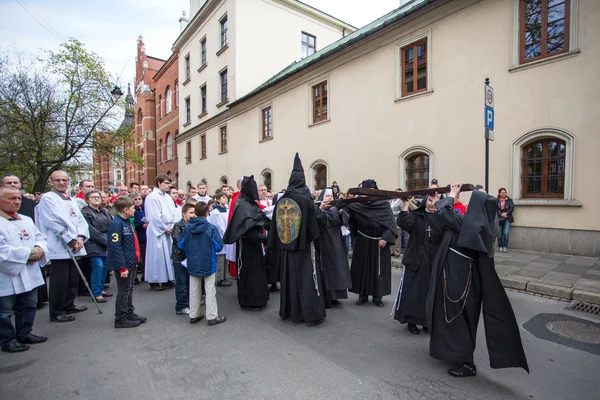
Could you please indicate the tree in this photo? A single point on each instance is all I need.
(50, 110)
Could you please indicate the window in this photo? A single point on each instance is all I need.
(176, 94)
(187, 68)
(309, 44)
(543, 28)
(319, 95)
(168, 101)
(223, 85)
(188, 152)
(267, 176)
(188, 117)
(223, 136)
(169, 147)
(224, 33)
(160, 106)
(160, 150)
(118, 175)
(202, 147)
(203, 97)
(320, 173)
(203, 51)
(417, 172)
(543, 169)
(414, 67)
(267, 123)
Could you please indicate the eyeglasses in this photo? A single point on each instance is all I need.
(94, 197)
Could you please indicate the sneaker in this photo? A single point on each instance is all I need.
(185, 311)
(135, 317)
(126, 323)
(218, 320)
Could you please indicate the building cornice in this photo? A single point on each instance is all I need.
(317, 14)
(192, 26)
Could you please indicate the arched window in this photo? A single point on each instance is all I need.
(417, 172)
(160, 150)
(267, 178)
(169, 175)
(169, 147)
(320, 173)
(169, 100)
(160, 106)
(224, 180)
(118, 175)
(543, 169)
(176, 179)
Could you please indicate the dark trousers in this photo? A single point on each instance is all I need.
(86, 268)
(64, 281)
(22, 306)
(42, 291)
(142, 263)
(124, 300)
(182, 286)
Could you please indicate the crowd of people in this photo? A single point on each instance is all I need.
(193, 243)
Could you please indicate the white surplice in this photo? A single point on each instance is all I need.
(160, 213)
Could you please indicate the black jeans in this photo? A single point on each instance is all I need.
(124, 300)
(22, 306)
(64, 281)
(182, 286)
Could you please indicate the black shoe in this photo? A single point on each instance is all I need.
(75, 309)
(15, 347)
(135, 317)
(224, 282)
(218, 320)
(137, 281)
(196, 320)
(335, 302)
(412, 328)
(32, 339)
(168, 285)
(360, 302)
(105, 286)
(378, 303)
(62, 318)
(252, 308)
(315, 322)
(156, 287)
(273, 288)
(40, 306)
(465, 370)
(126, 323)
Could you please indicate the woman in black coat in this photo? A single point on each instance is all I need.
(98, 219)
(505, 218)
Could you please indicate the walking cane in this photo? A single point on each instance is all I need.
(70, 252)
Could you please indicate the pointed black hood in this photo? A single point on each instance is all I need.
(249, 188)
(297, 182)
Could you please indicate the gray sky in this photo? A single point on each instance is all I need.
(111, 27)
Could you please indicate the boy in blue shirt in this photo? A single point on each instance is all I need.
(123, 254)
(201, 242)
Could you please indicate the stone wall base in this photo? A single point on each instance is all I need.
(561, 241)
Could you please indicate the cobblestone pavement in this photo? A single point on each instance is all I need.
(562, 276)
(360, 352)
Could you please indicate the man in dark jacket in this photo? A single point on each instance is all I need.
(201, 242)
(123, 255)
(141, 224)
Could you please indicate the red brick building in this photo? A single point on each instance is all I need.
(166, 94)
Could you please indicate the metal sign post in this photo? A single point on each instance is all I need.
(488, 103)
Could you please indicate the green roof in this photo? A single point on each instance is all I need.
(354, 37)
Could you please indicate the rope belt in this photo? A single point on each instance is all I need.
(465, 294)
(378, 253)
(460, 254)
(239, 258)
(314, 265)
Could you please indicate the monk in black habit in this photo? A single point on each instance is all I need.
(463, 278)
(331, 252)
(294, 227)
(376, 231)
(420, 252)
(246, 229)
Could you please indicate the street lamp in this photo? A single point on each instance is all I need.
(117, 93)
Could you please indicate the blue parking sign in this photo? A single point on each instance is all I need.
(489, 118)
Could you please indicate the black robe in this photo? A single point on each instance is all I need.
(331, 255)
(420, 252)
(246, 229)
(294, 227)
(465, 252)
(371, 267)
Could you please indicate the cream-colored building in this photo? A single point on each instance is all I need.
(404, 104)
(232, 46)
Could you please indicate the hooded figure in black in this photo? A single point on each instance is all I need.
(331, 255)
(420, 252)
(376, 231)
(293, 229)
(246, 229)
(463, 278)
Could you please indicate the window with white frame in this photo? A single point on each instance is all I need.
(168, 100)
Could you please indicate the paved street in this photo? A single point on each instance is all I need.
(358, 353)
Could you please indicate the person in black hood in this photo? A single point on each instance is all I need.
(464, 278)
(294, 227)
(376, 231)
(246, 229)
